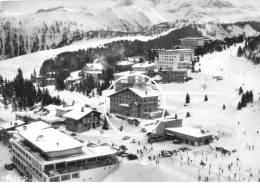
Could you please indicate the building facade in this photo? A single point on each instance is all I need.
(81, 120)
(175, 75)
(129, 80)
(136, 103)
(51, 156)
(96, 75)
(146, 66)
(172, 58)
(192, 42)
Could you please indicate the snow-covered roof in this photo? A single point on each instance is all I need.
(143, 93)
(78, 113)
(124, 105)
(157, 77)
(12, 124)
(73, 78)
(178, 50)
(51, 118)
(93, 72)
(94, 66)
(189, 131)
(88, 152)
(38, 125)
(192, 38)
(145, 64)
(129, 73)
(65, 108)
(50, 139)
(125, 63)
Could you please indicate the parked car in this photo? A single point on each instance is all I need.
(156, 138)
(9, 166)
(143, 130)
(177, 141)
(133, 141)
(132, 157)
(125, 155)
(126, 137)
(73, 134)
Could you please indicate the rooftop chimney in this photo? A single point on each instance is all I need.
(10, 123)
(24, 127)
(82, 109)
(145, 92)
(57, 143)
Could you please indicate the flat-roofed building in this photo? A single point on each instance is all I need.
(145, 66)
(35, 126)
(192, 42)
(130, 78)
(136, 102)
(7, 128)
(82, 119)
(192, 136)
(172, 58)
(167, 123)
(54, 121)
(175, 75)
(124, 65)
(61, 110)
(51, 156)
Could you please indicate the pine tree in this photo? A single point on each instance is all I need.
(240, 90)
(239, 51)
(224, 107)
(239, 106)
(243, 101)
(188, 114)
(105, 125)
(176, 116)
(206, 98)
(187, 98)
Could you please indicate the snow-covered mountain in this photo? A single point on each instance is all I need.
(44, 25)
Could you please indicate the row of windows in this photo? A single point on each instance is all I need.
(27, 163)
(65, 177)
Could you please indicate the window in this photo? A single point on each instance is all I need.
(55, 179)
(66, 177)
(75, 175)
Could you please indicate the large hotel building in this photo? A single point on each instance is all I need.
(51, 156)
(175, 59)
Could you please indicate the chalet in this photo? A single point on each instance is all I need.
(81, 120)
(39, 80)
(135, 102)
(50, 81)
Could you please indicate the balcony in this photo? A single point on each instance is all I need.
(80, 167)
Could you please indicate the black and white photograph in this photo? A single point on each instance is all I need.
(130, 91)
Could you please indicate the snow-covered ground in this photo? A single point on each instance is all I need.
(236, 72)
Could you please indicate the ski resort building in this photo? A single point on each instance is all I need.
(122, 66)
(192, 42)
(145, 67)
(82, 119)
(51, 156)
(61, 110)
(167, 123)
(129, 80)
(174, 59)
(135, 102)
(54, 121)
(7, 128)
(188, 135)
(175, 75)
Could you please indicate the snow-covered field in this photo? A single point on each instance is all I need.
(208, 115)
